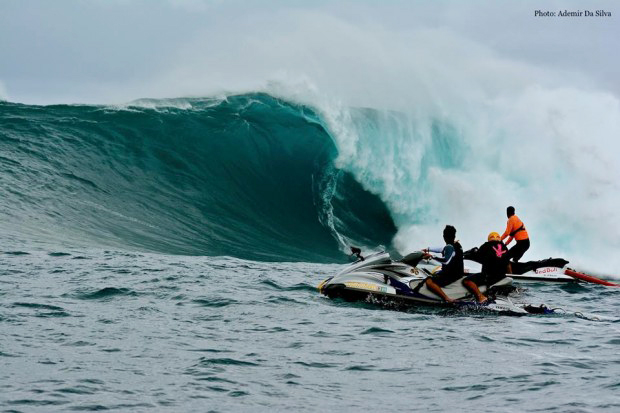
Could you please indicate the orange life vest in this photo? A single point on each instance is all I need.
(516, 229)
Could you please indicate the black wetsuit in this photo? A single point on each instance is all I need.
(494, 258)
(452, 267)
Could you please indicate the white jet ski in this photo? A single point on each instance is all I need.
(378, 277)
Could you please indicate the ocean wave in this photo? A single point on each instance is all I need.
(248, 176)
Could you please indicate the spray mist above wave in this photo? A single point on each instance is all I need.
(249, 176)
(3, 94)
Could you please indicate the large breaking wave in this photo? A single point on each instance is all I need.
(260, 177)
(249, 176)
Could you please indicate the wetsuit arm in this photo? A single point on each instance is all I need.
(435, 250)
(448, 254)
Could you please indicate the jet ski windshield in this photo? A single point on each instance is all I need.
(412, 259)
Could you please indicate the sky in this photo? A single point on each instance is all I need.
(114, 51)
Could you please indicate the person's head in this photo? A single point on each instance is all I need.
(510, 211)
(493, 236)
(449, 234)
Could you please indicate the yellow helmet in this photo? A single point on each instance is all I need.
(493, 236)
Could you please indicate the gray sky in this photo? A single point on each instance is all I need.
(114, 51)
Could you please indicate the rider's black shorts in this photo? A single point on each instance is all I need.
(478, 278)
(442, 279)
(483, 279)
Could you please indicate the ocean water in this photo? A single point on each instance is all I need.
(111, 330)
(164, 256)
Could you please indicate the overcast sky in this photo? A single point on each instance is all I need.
(114, 51)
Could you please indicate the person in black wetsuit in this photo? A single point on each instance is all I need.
(451, 259)
(494, 257)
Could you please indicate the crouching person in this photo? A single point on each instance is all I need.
(494, 259)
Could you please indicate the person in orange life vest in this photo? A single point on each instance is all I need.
(493, 256)
(515, 229)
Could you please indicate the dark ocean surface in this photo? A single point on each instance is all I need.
(109, 330)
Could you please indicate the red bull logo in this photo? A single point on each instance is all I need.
(546, 270)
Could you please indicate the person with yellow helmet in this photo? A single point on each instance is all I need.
(493, 255)
(515, 229)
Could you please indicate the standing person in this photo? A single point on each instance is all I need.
(451, 260)
(515, 229)
(493, 255)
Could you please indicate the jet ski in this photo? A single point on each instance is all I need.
(377, 277)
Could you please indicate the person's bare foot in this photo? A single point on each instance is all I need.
(483, 300)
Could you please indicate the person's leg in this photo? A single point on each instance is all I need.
(526, 246)
(472, 282)
(471, 286)
(437, 290)
(519, 249)
(515, 253)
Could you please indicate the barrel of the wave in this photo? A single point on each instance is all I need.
(589, 278)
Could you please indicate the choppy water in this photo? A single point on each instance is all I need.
(96, 330)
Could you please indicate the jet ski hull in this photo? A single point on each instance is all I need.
(387, 296)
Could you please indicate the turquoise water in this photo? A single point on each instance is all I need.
(164, 256)
(249, 176)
